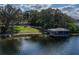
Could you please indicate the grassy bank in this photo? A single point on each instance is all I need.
(26, 29)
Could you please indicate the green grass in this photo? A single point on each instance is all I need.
(26, 29)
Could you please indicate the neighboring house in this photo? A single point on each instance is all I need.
(58, 32)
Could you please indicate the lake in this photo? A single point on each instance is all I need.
(22, 46)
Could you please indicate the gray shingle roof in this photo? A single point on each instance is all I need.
(58, 29)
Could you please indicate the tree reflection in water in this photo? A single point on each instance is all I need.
(9, 46)
(33, 46)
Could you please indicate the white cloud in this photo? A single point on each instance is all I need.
(72, 10)
(34, 6)
(30, 6)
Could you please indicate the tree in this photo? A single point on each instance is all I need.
(48, 18)
(9, 16)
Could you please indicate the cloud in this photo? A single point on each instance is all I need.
(40, 6)
(34, 6)
(72, 10)
(25, 7)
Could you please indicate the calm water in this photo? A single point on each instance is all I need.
(23, 46)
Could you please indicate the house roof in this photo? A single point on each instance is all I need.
(58, 29)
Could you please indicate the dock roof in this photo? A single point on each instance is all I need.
(58, 29)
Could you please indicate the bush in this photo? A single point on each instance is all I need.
(73, 27)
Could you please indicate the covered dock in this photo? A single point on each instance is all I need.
(58, 32)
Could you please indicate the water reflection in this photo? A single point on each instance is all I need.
(72, 47)
(9, 47)
(39, 46)
(36, 47)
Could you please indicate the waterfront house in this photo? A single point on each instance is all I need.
(58, 32)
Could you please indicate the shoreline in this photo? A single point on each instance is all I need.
(74, 34)
(32, 34)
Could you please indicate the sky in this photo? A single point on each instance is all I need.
(44, 6)
(58, 5)
(69, 9)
